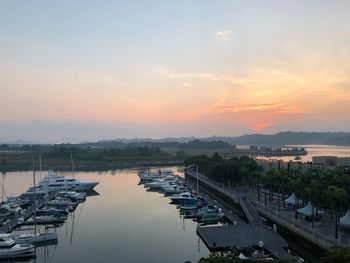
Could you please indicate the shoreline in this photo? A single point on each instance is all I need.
(96, 167)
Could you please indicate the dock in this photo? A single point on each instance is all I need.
(241, 233)
(13, 223)
(221, 238)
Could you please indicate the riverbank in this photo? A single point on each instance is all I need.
(97, 166)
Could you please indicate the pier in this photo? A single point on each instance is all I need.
(317, 236)
(240, 233)
(13, 223)
(227, 237)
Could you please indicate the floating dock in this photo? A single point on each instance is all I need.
(220, 238)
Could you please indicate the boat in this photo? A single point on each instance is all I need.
(147, 175)
(33, 238)
(9, 249)
(50, 211)
(190, 204)
(175, 189)
(44, 220)
(212, 216)
(161, 183)
(61, 201)
(60, 182)
(177, 199)
(73, 196)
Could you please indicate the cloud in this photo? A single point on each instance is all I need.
(160, 70)
(261, 126)
(269, 107)
(223, 35)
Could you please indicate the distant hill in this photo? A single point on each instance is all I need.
(289, 138)
(278, 139)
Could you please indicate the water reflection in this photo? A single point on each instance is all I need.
(119, 221)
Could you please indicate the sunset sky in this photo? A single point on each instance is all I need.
(89, 70)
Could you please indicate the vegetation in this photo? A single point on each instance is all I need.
(59, 155)
(336, 256)
(327, 190)
(230, 172)
(227, 258)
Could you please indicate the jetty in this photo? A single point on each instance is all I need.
(240, 233)
(318, 236)
(219, 238)
(14, 221)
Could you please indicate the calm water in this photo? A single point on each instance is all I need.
(124, 223)
(318, 150)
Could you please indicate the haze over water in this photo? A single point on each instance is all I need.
(317, 150)
(125, 223)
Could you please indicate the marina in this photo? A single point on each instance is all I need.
(31, 209)
(121, 216)
(229, 232)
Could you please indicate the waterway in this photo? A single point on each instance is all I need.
(123, 223)
(317, 150)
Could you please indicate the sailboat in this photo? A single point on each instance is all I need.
(35, 237)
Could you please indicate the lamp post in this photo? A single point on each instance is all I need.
(197, 180)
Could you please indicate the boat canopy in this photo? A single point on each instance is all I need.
(345, 220)
(292, 199)
(307, 210)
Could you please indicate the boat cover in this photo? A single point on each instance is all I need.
(345, 220)
(292, 199)
(307, 210)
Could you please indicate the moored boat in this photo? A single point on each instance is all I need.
(9, 249)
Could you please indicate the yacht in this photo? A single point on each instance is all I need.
(47, 219)
(73, 196)
(50, 211)
(210, 215)
(9, 248)
(32, 238)
(177, 199)
(59, 182)
(147, 175)
(161, 183)
(175, 189)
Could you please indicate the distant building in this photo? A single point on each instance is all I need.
(344, 164)
(325, 160)
(326, 163)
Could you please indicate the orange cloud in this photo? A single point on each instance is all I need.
(261, 126)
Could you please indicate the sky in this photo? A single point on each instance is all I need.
(89, 70)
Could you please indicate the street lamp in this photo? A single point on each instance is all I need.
(195, 165)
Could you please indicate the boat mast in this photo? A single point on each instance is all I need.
(40, 166)
(34, 203)
(2, 192)
(197, 180)
(71, 161)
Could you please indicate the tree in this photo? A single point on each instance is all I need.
(338, 255)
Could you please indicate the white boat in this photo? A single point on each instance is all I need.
(73, 195)
(147, 175)
(212, 215)
(32, 238)
(9, 248)
(43, 220)
(182, 197)
(59, 182)
(61, 201)
(160, 183)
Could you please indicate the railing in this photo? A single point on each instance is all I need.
(309, 233)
